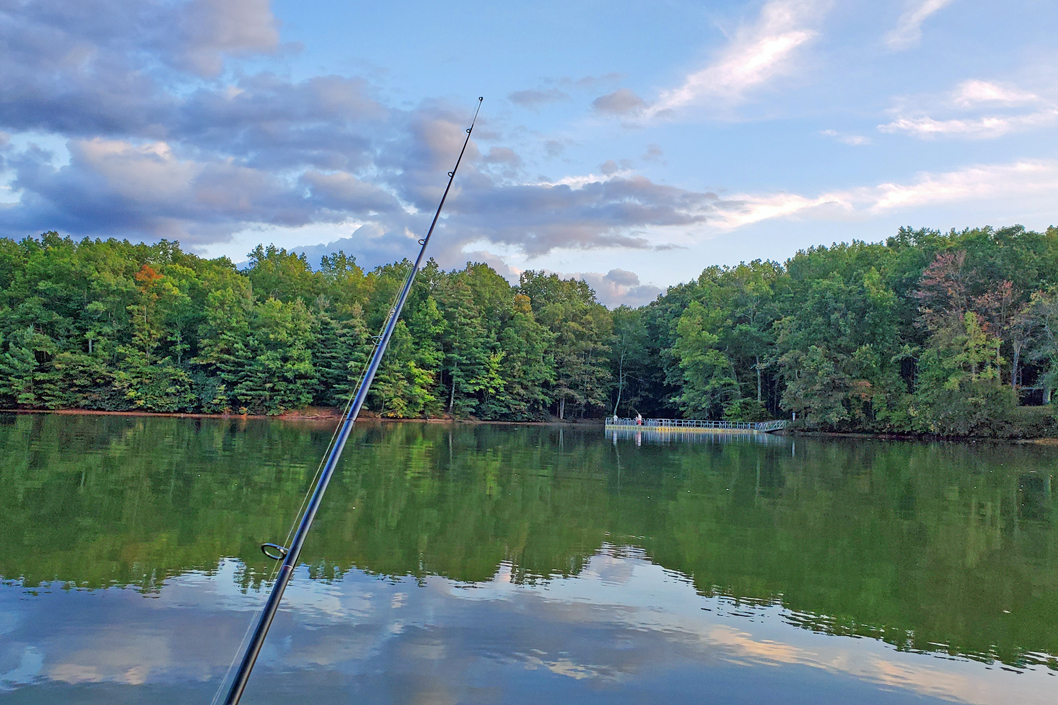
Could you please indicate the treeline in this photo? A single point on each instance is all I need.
(926, 332)
(111, 325)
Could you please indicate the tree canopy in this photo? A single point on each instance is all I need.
(939, 333)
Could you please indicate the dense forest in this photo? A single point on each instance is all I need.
(928, 332)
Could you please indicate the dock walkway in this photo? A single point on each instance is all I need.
(695, 425)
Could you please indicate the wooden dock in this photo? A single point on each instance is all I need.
(694, 426)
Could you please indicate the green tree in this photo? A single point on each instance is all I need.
(840, 349)
(817, 387)
(525, 366)
(1042, 320)
(401, 388)
(224, 342)
(750, 338)
(279, 374)
(582, 330)
(708, 381)
(23, 381)
(959, 390)
(278, 274)
(468, 353)
(340, 350)
(343, 281)
(629, 359)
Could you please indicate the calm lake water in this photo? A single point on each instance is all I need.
(481, 564)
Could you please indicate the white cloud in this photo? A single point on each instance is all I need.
(987, 182)
(975, 109)
(853, 140)
(973, 92)
(987, 127)
(138, 172)
(758, 54)
(746, 209)
(578, 181)
(1005, 183)
(618, 287)
(908, 30)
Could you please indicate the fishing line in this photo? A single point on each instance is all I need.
(291, 551)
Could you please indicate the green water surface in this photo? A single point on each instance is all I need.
(524, 564)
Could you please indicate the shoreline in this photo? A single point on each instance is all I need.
(918, 438)
(318, 414)
(324, 415)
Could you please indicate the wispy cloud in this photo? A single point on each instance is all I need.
(654, 153)
(975, 109)
(758, 53)
(978, 183)
(987, 127)
(534, 99)
(1032, 180)
(746, 209)
(849, 139)
(972, 93)
(908, 30)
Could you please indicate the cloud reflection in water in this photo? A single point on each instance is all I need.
(623, 630)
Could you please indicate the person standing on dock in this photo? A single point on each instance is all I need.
(639, 419)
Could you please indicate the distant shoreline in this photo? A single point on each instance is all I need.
(317, 414)
(920, 438)
(321, 415)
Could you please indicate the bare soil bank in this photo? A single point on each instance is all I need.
(320, 414)
(333, 415)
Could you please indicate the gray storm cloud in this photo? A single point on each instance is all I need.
(538, 218)
(619, 287)
(622, 277)
(344, 192)
(101, 67)
(163, 140)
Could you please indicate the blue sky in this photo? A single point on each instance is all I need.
(629, 143)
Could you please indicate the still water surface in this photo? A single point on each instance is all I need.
(481, 564)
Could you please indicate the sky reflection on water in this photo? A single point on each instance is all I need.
(622, 630)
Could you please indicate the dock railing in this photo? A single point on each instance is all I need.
(658, 424)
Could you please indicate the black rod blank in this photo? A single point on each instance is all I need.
(293, 551)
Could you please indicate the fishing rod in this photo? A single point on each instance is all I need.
(289, 554)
